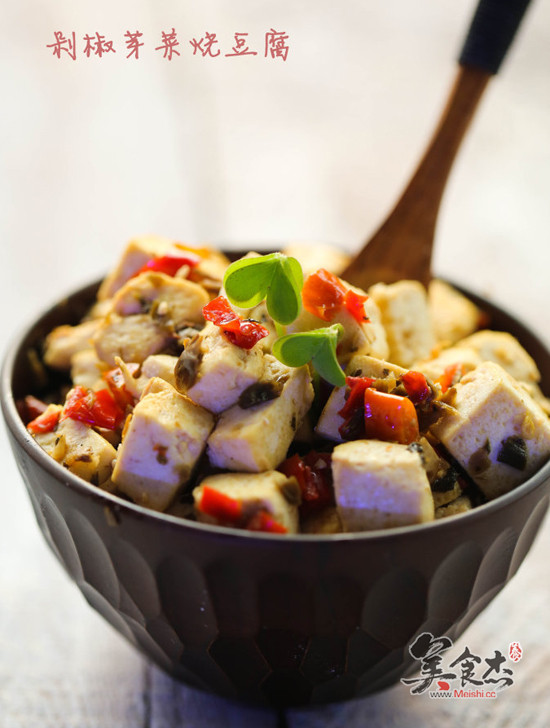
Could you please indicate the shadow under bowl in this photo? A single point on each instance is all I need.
(262, 618)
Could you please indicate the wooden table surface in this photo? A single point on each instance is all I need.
(317, 147)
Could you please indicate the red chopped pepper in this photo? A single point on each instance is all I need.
(228, 511)
(117, 386)
(220, 506)
(245, 334)
(355, 304)
(324, 294)
(450, 376)
(314, 475)
(97, 409)
(45, 422)
(262, 520)
(169, 264)
(353, 426)
(219, 311)
(416, 386)
(369, 413)
(241, 332)
(390, 417)
(355, 398)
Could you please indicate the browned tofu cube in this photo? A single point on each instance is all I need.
(497, 432)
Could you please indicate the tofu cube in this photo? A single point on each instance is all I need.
(161, 443)
(132, 338)
(453, 315)
(534, 391)
(65, 341)
(270, 491)
(496, 431)
(435, 367)
(81, 450)
(504, 349)
(137, 252)
(257, 438)
(214, 373)
(210, 270)
(407, 320)
(87, 368)
(175, 302)
(160, 365)
(380, 485)
(359, 366)
(140, 250)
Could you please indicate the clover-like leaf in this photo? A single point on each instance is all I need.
(274, 277)
(318, 347)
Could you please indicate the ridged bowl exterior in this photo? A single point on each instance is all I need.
(264, 618)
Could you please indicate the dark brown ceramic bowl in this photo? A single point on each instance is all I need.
(283, 620)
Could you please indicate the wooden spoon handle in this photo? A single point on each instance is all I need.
(402, 246)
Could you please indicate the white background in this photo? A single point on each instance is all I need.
(253, 151)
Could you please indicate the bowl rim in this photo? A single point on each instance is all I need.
(58, 472)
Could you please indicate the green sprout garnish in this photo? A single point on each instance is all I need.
(318, 347)
(276, 278)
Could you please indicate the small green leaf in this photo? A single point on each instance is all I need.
(325, 361)
(318, 347)
(295, 350)
(275, 277)
(247, 279)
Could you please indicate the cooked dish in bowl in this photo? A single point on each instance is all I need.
(256, 615)
(249, 396)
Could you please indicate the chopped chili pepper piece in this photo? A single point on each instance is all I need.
(241, 332)
(355, 304)
(97, 409)
(169, 264)
(416, 386)
(390, 417)
(323, 294)
(117, 386)
(450, 376)
(355, 399)
(314, 475)
(228, 511)
(225, 509)
(353, 427)
(245, 334)
(262, 520)
(219, 311)
(78, 404)
(45, 422)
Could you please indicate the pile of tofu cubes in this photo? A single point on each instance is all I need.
(213, 414)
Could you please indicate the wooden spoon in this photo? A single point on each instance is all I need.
(402, 246)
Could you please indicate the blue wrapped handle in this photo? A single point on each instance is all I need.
(491, 33)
